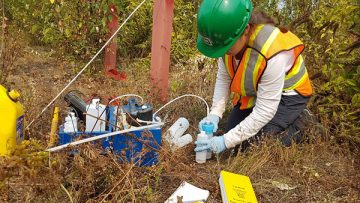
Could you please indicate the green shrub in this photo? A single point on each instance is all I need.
(79, 26)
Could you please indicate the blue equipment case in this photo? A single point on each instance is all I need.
(139, 147)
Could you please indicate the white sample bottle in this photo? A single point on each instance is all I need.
(201, 156)
(182, 141)
(208, 127)
(94, 110)
(124, 123)
(121, 119)
(177, 129)
(70, 125)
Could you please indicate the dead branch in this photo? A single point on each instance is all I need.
(300, 20)
(353, 46)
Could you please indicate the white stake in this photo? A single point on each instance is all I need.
(54, 149)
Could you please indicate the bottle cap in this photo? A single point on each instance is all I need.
(14, 95)
(156, 119)
(95, 101)
(208, 127)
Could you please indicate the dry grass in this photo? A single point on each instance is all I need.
(322, 170)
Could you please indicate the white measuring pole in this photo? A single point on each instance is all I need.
(54, 149)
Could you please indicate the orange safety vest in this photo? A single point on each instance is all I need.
(264, 43)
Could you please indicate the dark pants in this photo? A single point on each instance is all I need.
(281, 126)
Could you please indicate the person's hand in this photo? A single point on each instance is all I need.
(215, 144)
(212, 118)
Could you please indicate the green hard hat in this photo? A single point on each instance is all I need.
(220, 24)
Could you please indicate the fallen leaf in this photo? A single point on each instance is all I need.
(312, 171)
(282, 186)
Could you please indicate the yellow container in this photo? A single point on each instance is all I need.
(11, 120)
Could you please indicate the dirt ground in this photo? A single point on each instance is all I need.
(321, 170)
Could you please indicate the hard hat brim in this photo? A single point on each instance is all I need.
(213, 51)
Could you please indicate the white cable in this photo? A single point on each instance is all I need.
(185, 95)
(126, 95)
(103, 136)
(82, 70)
(146, 122)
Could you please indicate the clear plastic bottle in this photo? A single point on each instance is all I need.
(70, 125)
(177, 129)
(182, 141)
(121, 119)
(201, 156)
(208, 127)
(95, 120)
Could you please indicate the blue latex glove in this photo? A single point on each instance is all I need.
(215, 144)
(212, 118)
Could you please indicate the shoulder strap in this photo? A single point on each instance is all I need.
(270, 40)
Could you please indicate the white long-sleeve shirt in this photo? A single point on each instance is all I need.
(270, 89)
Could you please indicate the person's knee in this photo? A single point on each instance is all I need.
(290, 136)
(286, 136)
(271, 128)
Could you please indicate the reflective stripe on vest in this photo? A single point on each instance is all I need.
(265, 42)
(296, 76)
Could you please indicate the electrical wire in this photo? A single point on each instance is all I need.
(83, 69)
(185, 95)
(126, 95)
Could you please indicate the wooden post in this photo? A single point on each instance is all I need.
(110, 50)
(160, 50)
